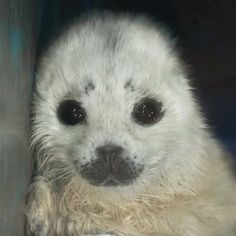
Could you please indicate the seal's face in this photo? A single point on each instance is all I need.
(106, 127)
(111, 156)
(112, 103)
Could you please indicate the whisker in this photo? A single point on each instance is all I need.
(61, 176)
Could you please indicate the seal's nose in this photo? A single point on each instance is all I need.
(110, 155)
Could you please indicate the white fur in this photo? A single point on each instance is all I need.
(186, 187)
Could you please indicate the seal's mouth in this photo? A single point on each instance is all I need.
(110, 171)
(111, 182)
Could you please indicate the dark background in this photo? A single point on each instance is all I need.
(206, 32)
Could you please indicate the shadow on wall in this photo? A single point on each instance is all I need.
(17, 46)
(206, 30)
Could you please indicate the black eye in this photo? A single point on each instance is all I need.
(71, 112)
(147, 111)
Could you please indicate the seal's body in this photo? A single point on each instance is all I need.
(121, 146)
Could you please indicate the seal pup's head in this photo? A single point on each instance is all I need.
(114, 110)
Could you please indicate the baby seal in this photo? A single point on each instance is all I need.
(120, 143)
